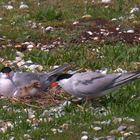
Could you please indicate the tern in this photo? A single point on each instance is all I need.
(94, 84)
(11, 82)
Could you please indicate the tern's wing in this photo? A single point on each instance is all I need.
(24, 78)
(94, 85)
(52, 75)
(58, 70)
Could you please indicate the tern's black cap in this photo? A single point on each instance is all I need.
(63, 76)
(6, 70)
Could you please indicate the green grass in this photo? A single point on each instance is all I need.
(121, 103)
(50, 13)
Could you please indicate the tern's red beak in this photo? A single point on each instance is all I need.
(54, 85)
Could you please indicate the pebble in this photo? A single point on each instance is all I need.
(3, 129)
(106, 1)
(34, 25)
(110, 137)
(49, 28)
(120, 70)
(86, 17)
(12, 138)
(117, 120)
(9, 124)
(66, 103)
(75, 22)
(133, 10)
(23, 6)
(129, 119)
(84, 133)
(114, 19)
(97, 128)
(96, 38)
(130, 31)
(64, 126)
(127, 134)
(84, 137)
(59, 130)
(8, 7)
(114, 132)
(89, 32)
(30, 47)
(54, 130)
(27, 136)
(122, 128)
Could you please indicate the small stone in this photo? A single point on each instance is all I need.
(12, 138)
(64, 126)
(19, 54)
(102, 30)
(87, 17)
(34, 25)
(129, 119)
(127, 134)
(122, 128)
(130, 31)
(49, 28)
(9, 124)
(23, 6)
(117, 120)
(96, 38)
(75, 22)
(9, 7)
(59, 130)
(84, 137)
(84, 133)
(97, 128)
(26, 135)
(135, 9)
(110, 137)
(30, 47)
(106, 1)
(117, 29)
(89, 32)
(120, 70)
(3, 129)
(54, 130)
(114, 19)
(66, 103)
(114, 132)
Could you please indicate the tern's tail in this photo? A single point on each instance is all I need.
(125, 78)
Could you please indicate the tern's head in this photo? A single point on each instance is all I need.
(7, 72)
(61, 80)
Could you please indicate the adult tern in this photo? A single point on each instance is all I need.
(94, 84)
